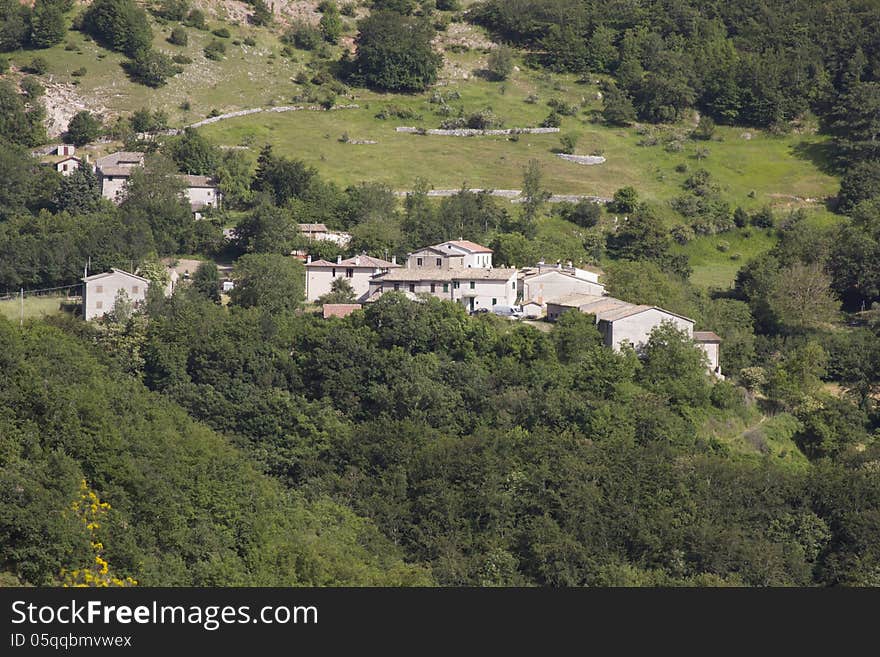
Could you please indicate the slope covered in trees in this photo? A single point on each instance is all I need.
(186, 508)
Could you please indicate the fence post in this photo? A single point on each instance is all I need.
(21, 306)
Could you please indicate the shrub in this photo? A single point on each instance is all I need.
(553, 120)
(705, 129)
(348, 9)
(448, 5)
(723, 246)
(38, 66)
(80, 72)
(501, 62)
(4, 65)
(153, 68)
(196, 19)
(740, 218)
(764, 218)
(303, 36)
(250, 41)
(221, 32)
(71, 46)
(173, 10)
(215, 50)
(178, 37)
(181, 59)
(567, 143)
(485, 119)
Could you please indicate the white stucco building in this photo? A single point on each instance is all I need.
(473, 254)
(543, 286)
(459, 271)
(114, 170)
(358, 271)
(202, 192)
(100, 290)
(622, 323)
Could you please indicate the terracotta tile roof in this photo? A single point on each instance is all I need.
(706, 336)
(339, 309)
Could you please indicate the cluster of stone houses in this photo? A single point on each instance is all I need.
(463, 272)
(115, 170)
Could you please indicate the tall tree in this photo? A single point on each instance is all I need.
(394, 52)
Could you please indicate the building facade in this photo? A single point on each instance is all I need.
(100, 290)
(358, 271)
(113, 172)
(202, 192)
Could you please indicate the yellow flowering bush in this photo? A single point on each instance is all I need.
(91, 510)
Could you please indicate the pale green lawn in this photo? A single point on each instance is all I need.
(34, 307)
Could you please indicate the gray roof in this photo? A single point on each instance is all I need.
(114, 270)
(120, 158)
(199, 181)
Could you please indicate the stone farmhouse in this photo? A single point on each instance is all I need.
(114, 170)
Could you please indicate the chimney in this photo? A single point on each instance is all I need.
(394, 260)
(309, 259)
(339, 260)
(357, 260)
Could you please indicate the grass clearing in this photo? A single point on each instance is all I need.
(34, 307)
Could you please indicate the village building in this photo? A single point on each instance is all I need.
(473, 254)
(100, 291)
(459, 271)
(626, 324)
(711, 344)
(320, 232)
(358, 271)
(202, 192)
(114, 170)
(542, 286)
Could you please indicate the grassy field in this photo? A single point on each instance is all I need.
(752, 168)
(759, 437)
(34, 307)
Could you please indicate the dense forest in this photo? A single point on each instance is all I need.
(480, 452)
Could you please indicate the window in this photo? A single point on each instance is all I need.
(418, 262)
(439, 262)
(473, 285)
(349, 273)
(333, 272)
(412, 287)
(396, 287)
(433, 288)
(99, 289)
(455, 284)
(513, 285)
(446, 287)
(135, 289)
(494, 301)
(99, 305)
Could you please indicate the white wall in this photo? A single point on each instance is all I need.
(319, 280)
(502, 292)
(470, 259)
(112, 186)
(556, 286)
(636, 329)
(99, 295)
(72, 165)
(712, 353)
(204, 196)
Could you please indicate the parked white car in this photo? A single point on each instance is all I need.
(514, 312)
